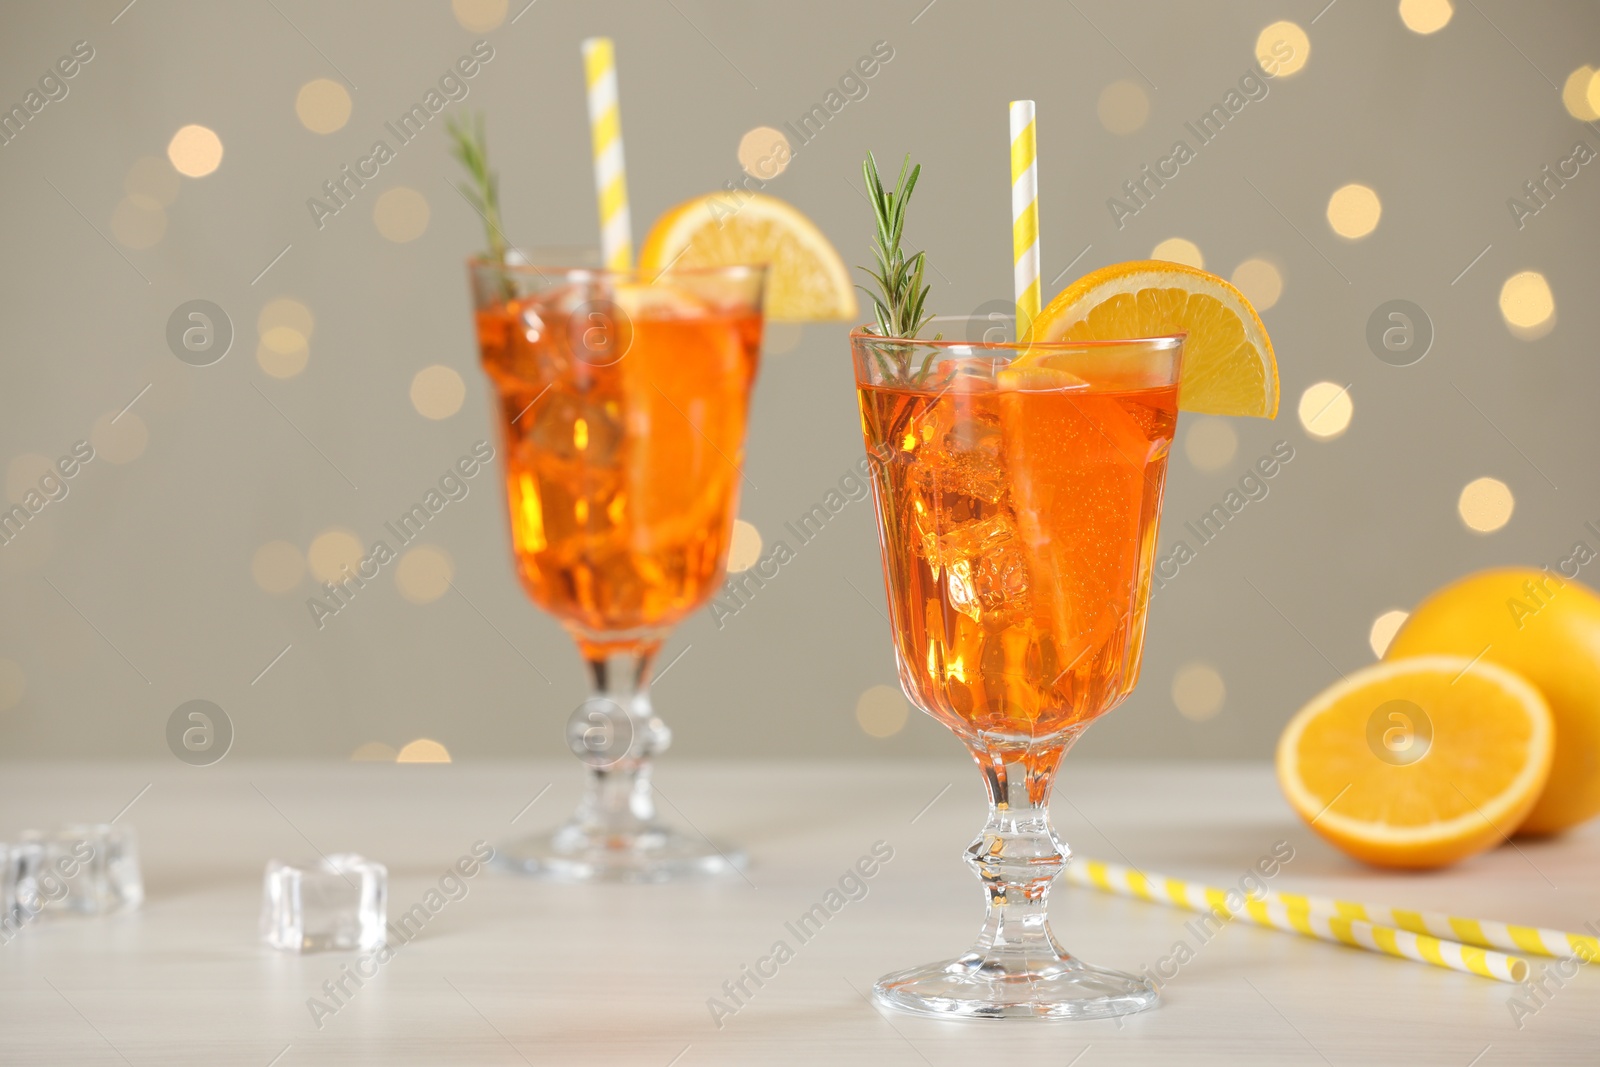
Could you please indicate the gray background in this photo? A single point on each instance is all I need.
(134, 594)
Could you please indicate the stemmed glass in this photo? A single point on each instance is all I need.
(1018, 489)
(621, 401)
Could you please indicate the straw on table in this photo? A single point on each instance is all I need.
(610, 177)
(1280, 915)
(1484, 932)
(1024, 214)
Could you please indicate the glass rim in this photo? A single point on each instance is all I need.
(868, 332)
(578, 273)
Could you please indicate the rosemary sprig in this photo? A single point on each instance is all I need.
(898, 303)
(472, 149)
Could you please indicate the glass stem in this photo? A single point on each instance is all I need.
(1017, 857)
(618, 734)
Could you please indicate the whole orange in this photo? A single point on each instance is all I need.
(1546, 628)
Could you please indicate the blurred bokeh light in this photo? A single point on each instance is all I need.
(1384, 627)
(1179, 250)
(401, 214)
(1354, 210)
(1426, 16)
(195, 151)
(1211, 443)
(423, 574)
(331, 552)
(277, 567)
(1325, 410)
(764, 153)
(1486, 504)
(480, 16)
(1198, 691)
(283, 352)
(152, 182)
(437, 391)
(323, 105)
(745, 548)
(1577, 93)
(1123, 107)
(1282, 49)
(423, 750)
(1260, 281)
(882, 711)
(119, 437)
(1528, 305)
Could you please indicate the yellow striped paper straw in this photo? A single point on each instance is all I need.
(610, 177)
(1024, 214)
(1275, 913)
(1483, 932)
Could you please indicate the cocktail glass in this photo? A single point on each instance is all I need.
(621, 403)
(1018, 490)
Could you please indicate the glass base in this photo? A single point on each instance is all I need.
(654, 854)
(975, 987)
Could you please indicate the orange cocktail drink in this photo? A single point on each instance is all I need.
(1019, 525)
(622, 400)
(624, 434)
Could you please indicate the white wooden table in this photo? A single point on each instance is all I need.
(521, 972)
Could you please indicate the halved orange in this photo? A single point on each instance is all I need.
(1418, 762)
(1228, 365)
(806, 280)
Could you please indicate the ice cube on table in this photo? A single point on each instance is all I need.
(81, 869)
(337, 903)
